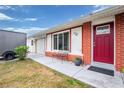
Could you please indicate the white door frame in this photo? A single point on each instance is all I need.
(111, 66)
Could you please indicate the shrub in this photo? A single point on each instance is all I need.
(122, 70)
(21, 51)
(77, 59)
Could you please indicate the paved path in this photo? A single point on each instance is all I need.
(79, 72)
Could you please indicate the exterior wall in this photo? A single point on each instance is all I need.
(87, 42)
(40, 46)
(70, 57)
(48, 45)
(31, 48)
(75, 47)
(119, 23)
(76, 41)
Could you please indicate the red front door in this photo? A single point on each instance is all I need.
(103, 43)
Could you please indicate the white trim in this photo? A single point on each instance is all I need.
(114, 46)
(92, 44)
(103, 20)
(60, 32)
(104, 65)
(48, 42)
(59, 51)
(56, 50)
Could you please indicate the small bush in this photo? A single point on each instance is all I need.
(77, 59)
(21, 51)
(122, 70)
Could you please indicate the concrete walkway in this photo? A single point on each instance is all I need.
(79, 72)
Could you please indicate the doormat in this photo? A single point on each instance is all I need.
(101, 70)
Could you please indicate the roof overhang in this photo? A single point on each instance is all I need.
(112, 11)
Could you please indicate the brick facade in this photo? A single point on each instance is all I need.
(87, 42)
(119, 25)
(70, 57)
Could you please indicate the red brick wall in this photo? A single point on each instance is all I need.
(70, 57)
(87, 42)
(119, 25)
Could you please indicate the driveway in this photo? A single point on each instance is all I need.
(79, 72)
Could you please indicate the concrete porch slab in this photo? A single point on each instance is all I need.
(79, 72)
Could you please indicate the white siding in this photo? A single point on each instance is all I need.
(31, 47)
(76, 35)
(49, 42)
(40, 46)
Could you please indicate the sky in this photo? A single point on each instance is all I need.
(31, 19)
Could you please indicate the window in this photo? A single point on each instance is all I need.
(55, 42)
(66, 41)
(103, 30)
(32, 42)
(61, 41)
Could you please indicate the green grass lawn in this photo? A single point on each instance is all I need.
(28, 74)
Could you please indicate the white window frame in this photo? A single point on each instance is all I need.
(58, 40)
